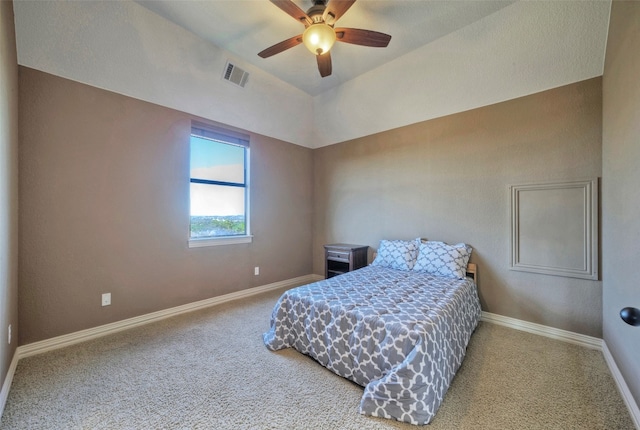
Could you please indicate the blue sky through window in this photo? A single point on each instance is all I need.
(215, 161)
(206, 153)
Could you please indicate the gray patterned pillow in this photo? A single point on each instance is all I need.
(440, 259)
(397, 254)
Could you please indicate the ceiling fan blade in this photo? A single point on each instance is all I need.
(335, 9)
(292, 9)
(324, 64)
(282, 46)
(362, 37)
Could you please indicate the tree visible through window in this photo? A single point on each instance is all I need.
(218, 189)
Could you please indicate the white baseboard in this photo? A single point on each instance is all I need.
(543, 330)
(92, 333)
(622, 386)
(578, 339)
(6, 386)
(103, 330)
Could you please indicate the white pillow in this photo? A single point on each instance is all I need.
(440, 259)
(397, 254)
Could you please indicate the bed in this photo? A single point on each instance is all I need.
(399, 327)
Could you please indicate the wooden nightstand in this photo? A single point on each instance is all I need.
(342, 258)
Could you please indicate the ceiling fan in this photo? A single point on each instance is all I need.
(320, 35)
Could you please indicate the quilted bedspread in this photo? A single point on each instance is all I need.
(402, 335)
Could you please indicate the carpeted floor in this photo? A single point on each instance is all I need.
(210, 370)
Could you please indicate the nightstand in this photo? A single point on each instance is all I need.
(342, 258)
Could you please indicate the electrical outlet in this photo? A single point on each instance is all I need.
(9, 335)
(256, 270)
(106, 299)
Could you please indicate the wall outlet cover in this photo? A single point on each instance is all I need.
(106, 299)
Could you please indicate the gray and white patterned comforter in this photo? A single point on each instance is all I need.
(400, 334)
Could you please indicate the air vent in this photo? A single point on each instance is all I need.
(235, 75)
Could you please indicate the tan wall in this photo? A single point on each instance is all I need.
(448, 179)
(8, 187)
(104, 198)
(104, 192)
(621, 191)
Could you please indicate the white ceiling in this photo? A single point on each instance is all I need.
(444, 57)
(246, 27)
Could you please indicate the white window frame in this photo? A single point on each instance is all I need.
(231, 138)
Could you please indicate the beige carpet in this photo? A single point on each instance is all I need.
(210, 370)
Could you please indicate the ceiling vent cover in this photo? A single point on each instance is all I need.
(235, 75)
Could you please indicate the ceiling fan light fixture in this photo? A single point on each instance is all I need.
(319, 34)
(319, 38)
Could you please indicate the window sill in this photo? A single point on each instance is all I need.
(215, 241)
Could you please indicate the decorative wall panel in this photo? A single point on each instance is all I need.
(554, 228)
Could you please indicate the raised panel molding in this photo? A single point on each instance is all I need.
(554, 228)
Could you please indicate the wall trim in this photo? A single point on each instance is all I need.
(543, 330)
(103, 330)
(577, 339)
(6, 386)
(632, 406)
(586, 265)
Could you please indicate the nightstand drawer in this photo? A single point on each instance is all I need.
(338, 256)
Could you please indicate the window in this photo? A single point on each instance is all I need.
(219, 191)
